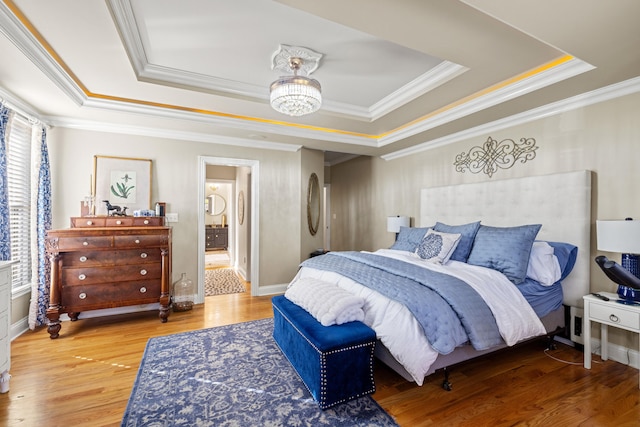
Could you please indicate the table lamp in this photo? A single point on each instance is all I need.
(622, 236)
(395, 222)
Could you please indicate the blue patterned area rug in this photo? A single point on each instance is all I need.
(231, 376)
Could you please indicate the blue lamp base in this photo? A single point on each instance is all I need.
(628, 295)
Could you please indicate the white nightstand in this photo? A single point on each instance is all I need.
(607, 313)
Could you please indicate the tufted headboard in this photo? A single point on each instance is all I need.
(560, 202)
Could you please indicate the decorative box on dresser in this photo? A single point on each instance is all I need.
(108, 262)
(5, 323)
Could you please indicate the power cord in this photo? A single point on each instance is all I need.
(546, 352)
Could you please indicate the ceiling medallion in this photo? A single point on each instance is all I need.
(295, 95)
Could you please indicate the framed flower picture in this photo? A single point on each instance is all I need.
(123, 181)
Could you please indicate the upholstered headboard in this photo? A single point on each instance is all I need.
(560, 202)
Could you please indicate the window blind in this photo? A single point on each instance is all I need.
(19, 185)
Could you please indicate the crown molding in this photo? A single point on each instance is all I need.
(437, 76)
(168, 134)
(520, 87)
(607, 93)
(35, 50)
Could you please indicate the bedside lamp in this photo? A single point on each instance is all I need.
(395, 222)
(622, 237)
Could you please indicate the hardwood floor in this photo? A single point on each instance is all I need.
(84, 377)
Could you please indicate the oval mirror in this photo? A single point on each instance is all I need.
(313, 204)
(216, 204)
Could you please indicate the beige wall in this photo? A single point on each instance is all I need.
(312, 162)
(175, 181)
(604, 138)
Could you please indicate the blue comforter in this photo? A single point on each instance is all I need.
(449, 311)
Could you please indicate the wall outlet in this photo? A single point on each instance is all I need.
(171, 217)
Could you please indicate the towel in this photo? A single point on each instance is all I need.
(327, 302)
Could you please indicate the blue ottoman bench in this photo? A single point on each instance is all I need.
(335, 362)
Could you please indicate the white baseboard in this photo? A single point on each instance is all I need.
(22, 325)
(619, 353)
(19, 328)
(273, 289)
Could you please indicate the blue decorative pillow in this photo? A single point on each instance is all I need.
(409, 238)
(467, 234)
(437, 247)
(505, 249)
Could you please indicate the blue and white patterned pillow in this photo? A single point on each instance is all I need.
(437, 247)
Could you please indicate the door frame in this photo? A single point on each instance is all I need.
(253, 209)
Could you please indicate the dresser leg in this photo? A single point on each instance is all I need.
(164, 314)
(54, 326)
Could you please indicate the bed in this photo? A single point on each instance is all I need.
(478, 276)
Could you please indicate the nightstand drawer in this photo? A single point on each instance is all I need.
(616, 316)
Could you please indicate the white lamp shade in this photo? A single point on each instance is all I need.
(395, 222)
(618, 236)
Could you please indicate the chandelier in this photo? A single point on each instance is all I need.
(296, 95)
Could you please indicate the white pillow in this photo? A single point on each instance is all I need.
(437, 247)
(543, 264)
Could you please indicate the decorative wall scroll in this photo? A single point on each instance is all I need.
(493, 155)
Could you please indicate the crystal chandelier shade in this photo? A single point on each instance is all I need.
(296, 95)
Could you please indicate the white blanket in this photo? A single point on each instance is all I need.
(401, 333)
(327, 302)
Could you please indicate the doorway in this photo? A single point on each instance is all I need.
(243, 237)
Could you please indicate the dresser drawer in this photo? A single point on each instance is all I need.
(617, 316)
(119, 221)
(94, 275)
(5, 277)
(91, 297)
(5, 299)
(88, 221)
(4, 326)
(152, 221)
(137, 256)
(132, 241)
(88, 258)
(4, 355)
(84, 242)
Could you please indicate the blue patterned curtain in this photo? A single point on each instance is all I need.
(5, 238)
(40, 289)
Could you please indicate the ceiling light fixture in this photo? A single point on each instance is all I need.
(296, 95)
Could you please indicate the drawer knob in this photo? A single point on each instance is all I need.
(89, 222)
(137, 241)
(143, 290)
(614, 318)
(82, 277)
(82, 295)
(146, 222)
(85, 243)
(143, 272)
(143, 255)
(118, 222)
(83, 259)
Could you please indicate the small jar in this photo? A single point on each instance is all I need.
(183, 294)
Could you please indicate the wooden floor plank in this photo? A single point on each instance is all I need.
(84, 378)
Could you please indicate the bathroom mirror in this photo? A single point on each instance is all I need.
(216, 204)
(313, 204)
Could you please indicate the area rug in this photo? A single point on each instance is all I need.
(231, 376)
(222, 281)
(216, 259)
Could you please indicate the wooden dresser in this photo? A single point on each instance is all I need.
(107, 262)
